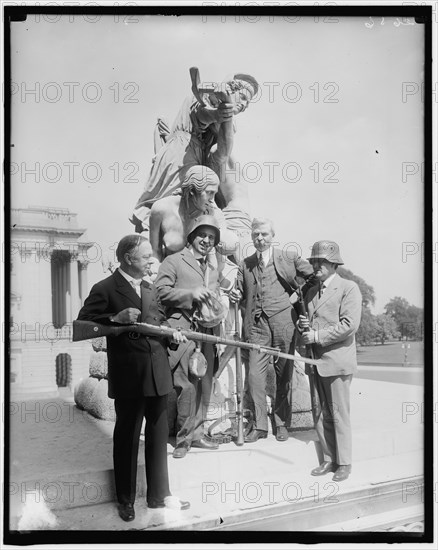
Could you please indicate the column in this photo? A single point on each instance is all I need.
(66, 280)
(83, 282)
(74, 287)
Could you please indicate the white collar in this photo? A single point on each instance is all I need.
(266, 255)
(328, 280)
(129, 278)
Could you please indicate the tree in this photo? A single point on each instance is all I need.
(409, 318)
(368, 328)
(367, 291)
(386, 328)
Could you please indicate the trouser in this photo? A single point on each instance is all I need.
(193, 396)
(333, 426)
(129, 418)
(276, 331)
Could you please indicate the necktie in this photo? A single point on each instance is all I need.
(202, 264)
(321, 289)
(261, 263)
(135, 283)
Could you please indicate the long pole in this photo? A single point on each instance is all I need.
(239, 380)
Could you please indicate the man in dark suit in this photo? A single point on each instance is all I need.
(139, 377)
(265, 281)
(186, 281)
(334, 308)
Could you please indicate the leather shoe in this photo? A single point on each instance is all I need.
(126, 511)
(180, 452)
(170, 502)
(255, 435)
(204, 444)
(342, 473)
(281, 434)
(323, 469)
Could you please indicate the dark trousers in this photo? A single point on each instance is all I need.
(193, 396)
(276, 331)
(130, 413)
(333, 426)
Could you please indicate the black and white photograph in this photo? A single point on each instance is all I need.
(219, 255)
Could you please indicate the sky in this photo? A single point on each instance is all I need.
(332, 148)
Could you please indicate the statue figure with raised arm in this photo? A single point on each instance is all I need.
(202, 136)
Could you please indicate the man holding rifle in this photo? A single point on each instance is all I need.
(139, 377)
(265, 282)
(334, 309)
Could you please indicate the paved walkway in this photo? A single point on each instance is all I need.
(61, 465)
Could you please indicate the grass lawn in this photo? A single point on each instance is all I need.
(391, 352)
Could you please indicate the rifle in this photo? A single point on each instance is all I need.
(316, 407)
(85, 330)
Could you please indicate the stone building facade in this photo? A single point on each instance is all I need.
(48, 283)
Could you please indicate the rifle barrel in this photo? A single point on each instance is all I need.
(84, 330)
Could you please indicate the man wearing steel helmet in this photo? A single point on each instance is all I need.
(186, 281)
(334, 309)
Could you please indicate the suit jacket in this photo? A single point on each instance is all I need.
(138, 365)
(336, 317)
(178, 276)
(287, 266)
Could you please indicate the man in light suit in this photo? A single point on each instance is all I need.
(139, 377)
(185, 281)
(265, 281)
(334, 308)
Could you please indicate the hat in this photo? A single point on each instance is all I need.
(204, 221)
(326, 250)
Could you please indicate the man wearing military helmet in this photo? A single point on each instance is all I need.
(334, 309)
(188, 287)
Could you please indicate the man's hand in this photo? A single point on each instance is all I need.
(224, 112)
(178, 337)
(127, 316)
(309, 337)
(234, 295)
(201, 294)
(303, 323)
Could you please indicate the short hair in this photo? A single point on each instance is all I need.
(127, 244)
(257, 222)
(197, 179)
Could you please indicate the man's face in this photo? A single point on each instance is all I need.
(138, 260)
(152, 268)
(204, 240)
(262, 237)
(322, 269)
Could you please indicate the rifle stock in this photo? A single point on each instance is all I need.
(316, 406)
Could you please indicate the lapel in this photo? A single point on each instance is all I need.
(312, 300)
(280, 268)
(190, 260)
(146, 291)
(251, 264)
(328, 293)
(124, 288)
